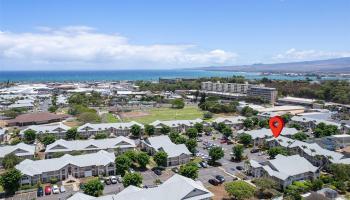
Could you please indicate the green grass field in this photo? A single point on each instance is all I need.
(189, 112)
(109, 118)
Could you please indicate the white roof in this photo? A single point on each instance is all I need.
(47, 128)
(230, 120)
(283, 167)
(265, 133)
(164, 143)
(175, 188)
(296, 100)
(91, 144)
(106, 126)
(305, 118)
(31, 168)
(309, 147)
(282, 108)
(20, 149)
(176, 123)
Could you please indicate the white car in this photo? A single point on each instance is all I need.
(62, 189)
(113, 179)
(55, 189)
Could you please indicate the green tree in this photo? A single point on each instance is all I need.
(192, 133)
(227, 132)
(199, 127)
(165, 130)
(173, 136)
(240, 190)
(94, 188)
(245, 139)
(10, 180)
(72, 134)
(264, 123)
(132, 179)
(149, 129)
(29, 136)
(131, 154)
(264, 185)
(189, 170)
(48, 139)
(177, 103)
(207, 115)
(238, 152)
(220, 126)
(161, 158)
(89, 117)
(248, 123)
(10, 161)
(136, 130)
(100, 136)
(300, 136)
(122, 164)
(180, 140)
(274, 151)
(191, 145)
(340, 171)
(142, 159)
(216, 153)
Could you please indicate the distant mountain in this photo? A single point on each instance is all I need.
(336, 65)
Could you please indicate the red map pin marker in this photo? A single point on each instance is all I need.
(276, 125)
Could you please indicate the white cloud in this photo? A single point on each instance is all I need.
(81, 44)
(302, 55)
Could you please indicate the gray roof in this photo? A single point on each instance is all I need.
(230, 120)
(265, 133)
(283, 167)
(47, 128)
(106, 126)
(308, 147)
(175, 188)
(176, 123)
(306, 118)
(164, 143)
(31, 168)
(91, 144)
(20, 149)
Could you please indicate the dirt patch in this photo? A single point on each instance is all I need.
(134, 114)
(219, 192)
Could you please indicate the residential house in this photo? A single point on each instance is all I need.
(59, 129)
(21, 150)
(94, 164)
(115, 129)
(235, 122)
(176, 125)
(285, 169)
(175, 188)
(178, 154)
(117, 145)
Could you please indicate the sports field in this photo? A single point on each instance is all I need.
(153, 114)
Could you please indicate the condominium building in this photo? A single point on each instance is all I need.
(59, 130)
(226, 87)
(265, 93)
(21, 150)
(117, 145)
(95, 164)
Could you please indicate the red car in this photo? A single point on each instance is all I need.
(47, 190)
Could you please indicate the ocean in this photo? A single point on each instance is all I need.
(62, 76)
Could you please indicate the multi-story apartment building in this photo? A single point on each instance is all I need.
(95, 164)
(226, 87)
(284, 171)
(117, 145)
(178, 154)
(176, 125)
(116, 129)
(265, 93)
(59, 130)
(21, 150)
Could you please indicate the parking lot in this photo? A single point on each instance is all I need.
(149, 177)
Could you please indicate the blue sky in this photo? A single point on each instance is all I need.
(158, 34)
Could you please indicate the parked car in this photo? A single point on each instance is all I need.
(131, 170)
(175, 170)
(239, 167)
(108, 181)
(254, 151)
(47, 190)
(40, 192)
(113, 179)
(204, 164)
(199, 165)
(120, 179)
(62, 189)
(55, 189)
(213, 181)
(158, 172)
(220, 178)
